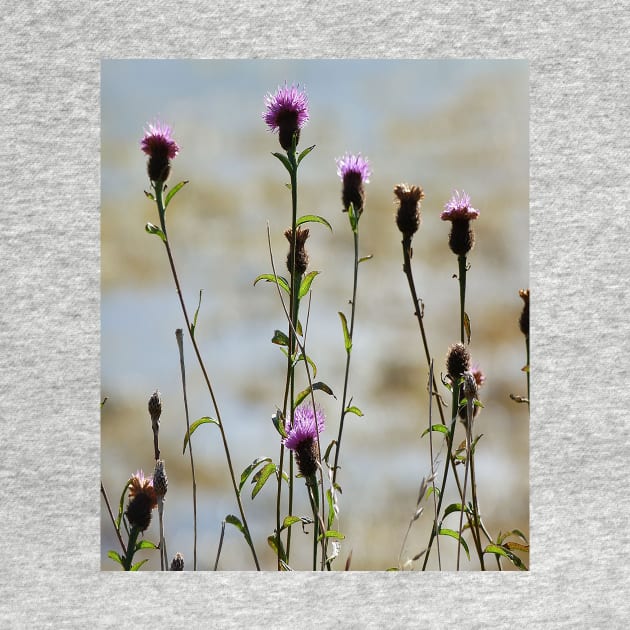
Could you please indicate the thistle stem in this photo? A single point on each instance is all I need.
(158, 187)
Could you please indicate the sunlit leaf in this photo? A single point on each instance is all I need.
(316, 386)
(364, 258)
(453, 534)
(290, 520)
(173, 191)
(248, 471)
(115, 556)
(154, 229)
(146, 544)
(269, 277)
(278, 422)
(346, 335)
(331, 533)
(136, 566)
(310, 362)
(313, 218)
(501, 551)
(261, 477)
(355, 410)
(193, 326)
(149, 195)
(305, 285)
(467, 327)
(193, 428)
(516, 546)
(453, 507)
(304, 153)
(440, 428)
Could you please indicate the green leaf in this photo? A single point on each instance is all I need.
(331, 533)
(269, 277)
(453, 507)
(514, 545)
(115, 556)
(310, 362)
(194, 323)
(304, 153)
(154, 229)
(273, 543)
(501, 551)
(248, 471)
(331, 508)
(261, 477)
(313, 218)
(355, 410)
(327, 453)
(193, 427)
(364, 258)
(173, 191)
(316, 386)
(149, 195)
(136, 566)
(453, 534)
(278, 422)
(305, 285)
(440, 428)
(290, 520)
(279, 338)
(285, 161)
(346, 335)
(234, 520)
(353, 218)
(145, 544)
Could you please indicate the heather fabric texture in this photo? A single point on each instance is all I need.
(49, 395)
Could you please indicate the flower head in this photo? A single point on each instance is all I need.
(523, 320)
(301, 255)
(159, 145)
(287, 113)
(302, 437)
(142, 500)
(457, 361)
(354, 171)
(408, 215)
(477, 372)
(458, 207)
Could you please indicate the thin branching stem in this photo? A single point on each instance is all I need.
(120, 540)
(158, 187)
(180, 347)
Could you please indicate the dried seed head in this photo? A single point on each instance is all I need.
(301, 255)
(155, 406)
(160, 481)
(408, 217)
(142, 501)
(177, 563)
(457, 361)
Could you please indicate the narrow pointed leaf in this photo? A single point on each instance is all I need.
(115, 556)
(453, 507)
(331, 507)
(440, 428)
(305, 285)
(453, 534)
(145, 544)
(290, 520)
(193, 428)
(173, 191)
(194, 322)
(316, 386)
(248, 471)
(279, 338)
(149, 195)
(154, 229)
(346, 335)
(467, 327)
(364, 258)
(304, 153)
(284, 160)
(121, 504)
(355, 410)
(331, 533)
(313, 218)
(278, 422)
(136, 566)
(310, 362)
(517, 546)
(269, 277)
(261, 477)
(516, 561)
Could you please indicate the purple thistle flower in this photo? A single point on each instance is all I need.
(159, 145)
(287, 112)
(159, 139)
(458, 207)
(354, 171)
(302, 437)
(353, 164)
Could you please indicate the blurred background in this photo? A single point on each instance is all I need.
(443, 125)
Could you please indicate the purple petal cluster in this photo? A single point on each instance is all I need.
(287, 103)
(458, 207)
(307, 423)
(355, 164)
(158, 140)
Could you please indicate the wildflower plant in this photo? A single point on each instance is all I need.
(308, 467)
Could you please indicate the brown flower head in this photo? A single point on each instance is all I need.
(408, 217)
(142, 501)
(301, 256)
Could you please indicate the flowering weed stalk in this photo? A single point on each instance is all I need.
(161, 148)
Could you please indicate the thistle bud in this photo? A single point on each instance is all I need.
(160, 481)
(301, 255)
(457, 361)
(142, 501)
(523, 321)
(408, 217)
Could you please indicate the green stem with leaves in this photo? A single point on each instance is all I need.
(158, 187)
